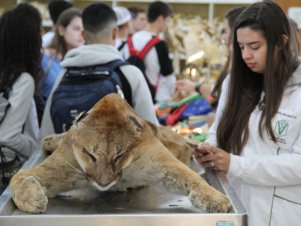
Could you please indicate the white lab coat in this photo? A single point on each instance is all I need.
(267, 175)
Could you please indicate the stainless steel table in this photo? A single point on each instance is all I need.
(147, 206)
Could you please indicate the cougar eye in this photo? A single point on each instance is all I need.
(88, 175)
(120, 153)
(118, 157)
(90, 155)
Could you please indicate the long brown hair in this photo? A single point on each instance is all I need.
(230, 16)
(58, 42)
(246, 86)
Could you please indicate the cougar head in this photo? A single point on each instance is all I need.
(103, 140)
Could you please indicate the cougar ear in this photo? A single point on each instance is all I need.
(81, 116)
(136, 123)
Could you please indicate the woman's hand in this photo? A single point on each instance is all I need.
(212, 157)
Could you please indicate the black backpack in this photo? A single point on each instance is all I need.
(82, 87)
(137, 58)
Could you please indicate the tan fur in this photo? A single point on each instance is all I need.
(113, 149)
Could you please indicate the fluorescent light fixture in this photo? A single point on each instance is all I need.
(196, 56)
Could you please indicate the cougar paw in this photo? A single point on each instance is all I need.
(30, 196)
(50, 143)
(211, 203)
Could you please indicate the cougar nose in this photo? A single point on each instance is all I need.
(104, 184)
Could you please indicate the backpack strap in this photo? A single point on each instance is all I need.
(151, 43)
(141, 54)
(127, 91)
(121, 45)
(132, 50)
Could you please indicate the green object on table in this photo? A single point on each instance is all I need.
(175, 104)
(197, 137)
(200, 137)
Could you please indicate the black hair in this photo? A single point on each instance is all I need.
(20, 44)
(56, 7)
(232, 14)
(156, 9)
(58, 42)
(97, 16)
(134, 10)
(246, 86)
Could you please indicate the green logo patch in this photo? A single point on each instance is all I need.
(281, 128)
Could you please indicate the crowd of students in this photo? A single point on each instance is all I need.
(255, 138)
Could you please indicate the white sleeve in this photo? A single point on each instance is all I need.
(220, 107)
(11, 131)
(47, 127)
(166, 88)
(281, 170)
(125, 52)
(141, 97)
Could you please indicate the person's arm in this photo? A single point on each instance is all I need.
(47, 127)
(208, 153)
(165, 62)
(11, 131)
(141, 96)
(189, 86)
(166, 68)
(281, 170)
(222, 101)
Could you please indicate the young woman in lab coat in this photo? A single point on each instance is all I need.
(255, 138)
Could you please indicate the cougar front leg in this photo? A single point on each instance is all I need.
(177, 177)
(28, 193)
(31, 188)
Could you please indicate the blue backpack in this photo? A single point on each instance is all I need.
(82, 87)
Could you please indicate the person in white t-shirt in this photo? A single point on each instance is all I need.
(158, 66)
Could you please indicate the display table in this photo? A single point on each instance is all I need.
(147, 206)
